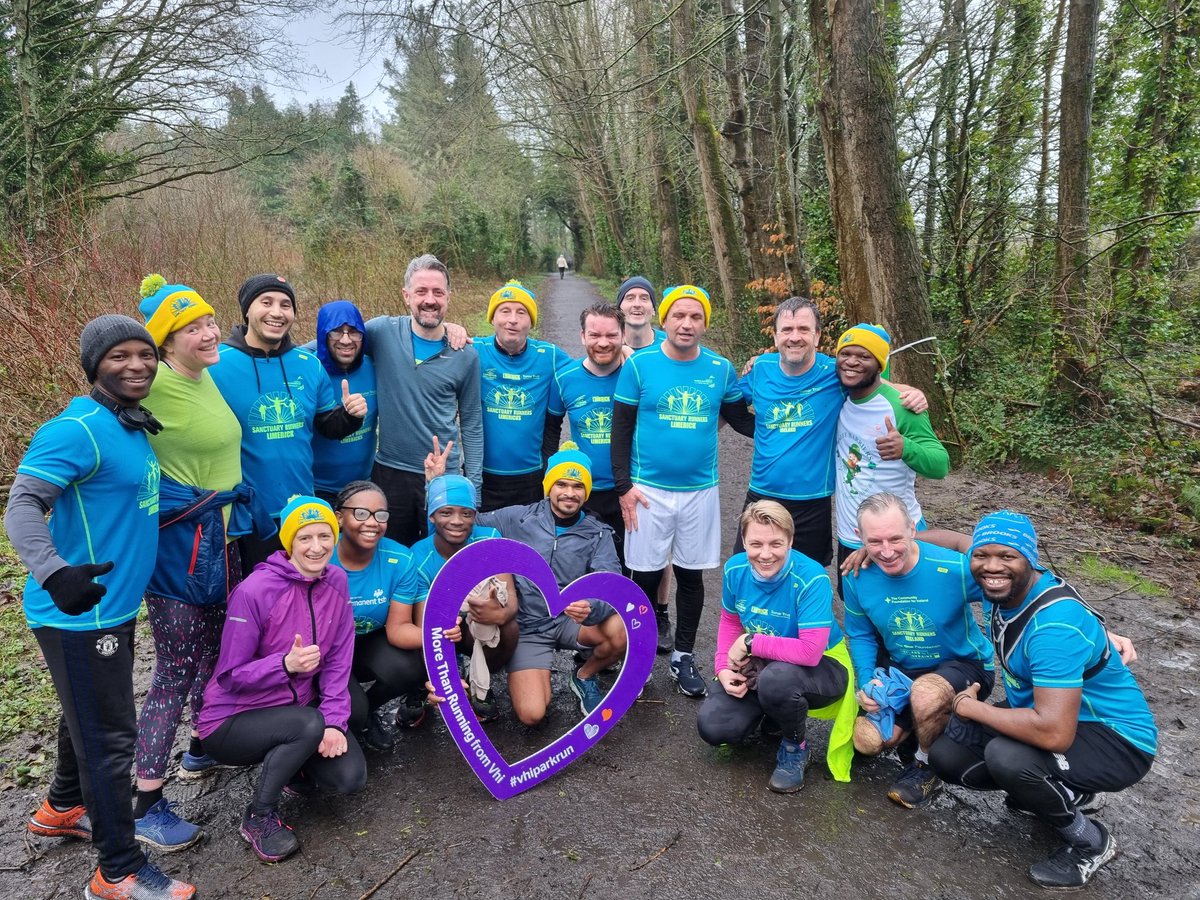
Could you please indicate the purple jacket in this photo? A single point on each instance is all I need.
(266, 612)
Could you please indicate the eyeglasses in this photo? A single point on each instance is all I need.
(347, 333)
(361, 513)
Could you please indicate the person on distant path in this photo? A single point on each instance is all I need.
(1075, 722)
(280, 395)
(780, 652)
(881, 446)
(562, 267)
(797, 397)
(586, 387)
(452, 515)
(428, 381)
(522, 412)
(92, 467)
(914, 603)
(635, 298)
(383, 582)
(341, 346)
(203, 507)
(279, 695)
(664, 459)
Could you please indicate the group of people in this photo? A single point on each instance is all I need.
(284, 511)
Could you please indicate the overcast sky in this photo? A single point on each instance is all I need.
(341, 59)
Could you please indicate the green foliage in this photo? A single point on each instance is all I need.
(1096, 569)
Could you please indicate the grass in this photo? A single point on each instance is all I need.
(1096, 569)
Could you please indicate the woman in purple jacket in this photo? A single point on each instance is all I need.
(279, 693)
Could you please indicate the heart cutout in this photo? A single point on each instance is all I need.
(498, 556)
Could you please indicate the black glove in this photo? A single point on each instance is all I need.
(72, 589)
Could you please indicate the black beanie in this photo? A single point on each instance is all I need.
(260, 284)
(102, 334)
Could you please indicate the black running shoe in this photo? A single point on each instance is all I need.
(916, 786)
(1069, 868)
(687, 678)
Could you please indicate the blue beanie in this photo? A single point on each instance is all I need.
(449, 490)
(1008, 529)
(637, 281)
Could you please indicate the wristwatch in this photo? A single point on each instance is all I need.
(747, 642)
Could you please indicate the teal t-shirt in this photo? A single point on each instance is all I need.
(517, 393)
(429, 562)
(799, 598)
(588, 400)
(276, 399)
(795, 425)
(678, 405)
(108, 510)
(923, 617)
(424, 349)
(1061, 642)
(337, 463)
(390, 577)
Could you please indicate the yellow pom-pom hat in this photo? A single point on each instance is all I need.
(871, 338)
(513, 292)
(685, 292)
(572, 464)
(168, 307)
(300, 511)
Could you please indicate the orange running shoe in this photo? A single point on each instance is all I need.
(147, 883)
(50, 822)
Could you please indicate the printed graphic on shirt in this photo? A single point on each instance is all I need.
(788, 416)
(683, 407)
(858, 464)
(367, 611)
(596, 424)
(506, 401)
(277, 414)
(147, 497)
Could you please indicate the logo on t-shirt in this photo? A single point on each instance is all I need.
(147, 497)
(787, 416)
(683, 407)
(858, 464)
(276, 415)
(508, 402)
(596, 425)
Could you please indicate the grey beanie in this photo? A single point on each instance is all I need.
(102, 334)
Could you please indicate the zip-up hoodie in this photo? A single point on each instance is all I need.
(266, 612)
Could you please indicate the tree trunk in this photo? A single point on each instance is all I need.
(727, 249)
(882, 277)
(1075, 386)
(1041, 217)
(27, 78)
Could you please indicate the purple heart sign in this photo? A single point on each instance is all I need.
(498, 556)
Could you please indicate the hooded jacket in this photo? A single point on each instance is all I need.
(338, 462)
(266, 612)
(330, 317)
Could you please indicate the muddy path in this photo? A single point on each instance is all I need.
(653, 812)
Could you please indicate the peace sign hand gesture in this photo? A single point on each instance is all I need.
(435, 462)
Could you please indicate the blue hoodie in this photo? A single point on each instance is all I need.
(336, 463)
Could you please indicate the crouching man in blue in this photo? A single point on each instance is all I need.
(574, 544)
(1075, 723)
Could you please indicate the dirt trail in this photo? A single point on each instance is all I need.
(654, 813)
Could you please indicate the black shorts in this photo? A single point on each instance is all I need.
(961, 673)
(500, 491)
(606, 506)
(813, 522)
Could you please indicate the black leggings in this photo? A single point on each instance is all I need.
(395, 672)
(979, 758)
(785, 694)
(285, 740)
(689, 601)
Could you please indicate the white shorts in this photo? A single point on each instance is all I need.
(680, 527)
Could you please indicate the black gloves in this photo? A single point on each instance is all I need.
(72, 589)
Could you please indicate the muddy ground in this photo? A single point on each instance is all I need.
(653, 812)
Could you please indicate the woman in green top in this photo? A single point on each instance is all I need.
(198, 450)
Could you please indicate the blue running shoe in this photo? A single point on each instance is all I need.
(165, 830)
(790, 763)
(193, 768)
(587, 690)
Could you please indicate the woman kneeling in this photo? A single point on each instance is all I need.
(776, 626)
(279, 694)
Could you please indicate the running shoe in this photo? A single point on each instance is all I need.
(164, 829)
(663, 620)
(193, 768)
(411, 711)
(916, 786)
(687, 678)
(271, 839)
(147, 883)
(376, 735)
(50, 822)
(486, 710)
(587, 690)
(790, 763)
(1069, 868)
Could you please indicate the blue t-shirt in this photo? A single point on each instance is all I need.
(924, 617)
(588, 399)
(798, 598)
(678, 404)
(390, 577)
(108, 510)
(337, 463)
(1061, 642)
(276, 399)
(429, 562)
(517, 393)
(795, 426)
(424, 349)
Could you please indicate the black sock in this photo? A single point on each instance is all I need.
(145, 800)
(194, 747)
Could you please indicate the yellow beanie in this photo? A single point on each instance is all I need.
(168, 307)
(872, 338)
(681, 292)
(301, 511)
(513, 292)
(572, 464)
